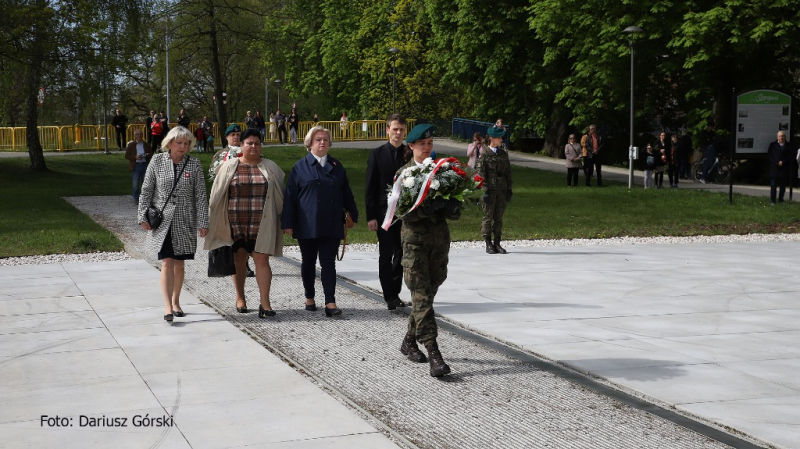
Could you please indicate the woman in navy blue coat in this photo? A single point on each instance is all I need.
(316, 197)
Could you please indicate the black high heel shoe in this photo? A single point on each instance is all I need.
(265, 313)
(332, 312)
(242, 309)
(311, 307)
(168, 318)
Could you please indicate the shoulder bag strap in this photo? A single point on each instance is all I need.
(344, 243)
(175, 183)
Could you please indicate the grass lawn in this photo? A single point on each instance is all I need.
(36, 220)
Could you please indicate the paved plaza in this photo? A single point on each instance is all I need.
(597, 344)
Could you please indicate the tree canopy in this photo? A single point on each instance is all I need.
(547, 67)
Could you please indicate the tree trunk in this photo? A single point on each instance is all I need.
(555, 135)
(216, 71)
(33, 79)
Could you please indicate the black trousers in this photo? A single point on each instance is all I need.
(588, 169)
(325, 248)
(672, 172)
(120, 138)
(775, 183)
(572, 176)
(390, 254)
(156, 142)
(282, 134)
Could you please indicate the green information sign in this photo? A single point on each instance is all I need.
(760, 115)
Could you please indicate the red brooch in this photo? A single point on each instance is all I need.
(187, 175)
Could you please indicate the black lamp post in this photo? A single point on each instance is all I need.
(393, 51)
(631, 31)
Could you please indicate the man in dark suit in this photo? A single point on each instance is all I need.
(595, 145)
(382, 165)
(780, 156)
(120, 121)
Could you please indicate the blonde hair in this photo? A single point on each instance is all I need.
(178, 132)
(314, 130)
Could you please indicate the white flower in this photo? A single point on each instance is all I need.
(427, 162)
(445, 165)
(434, 183)
(408, 182)
(408, 172)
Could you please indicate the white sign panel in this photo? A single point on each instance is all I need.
(760, 114)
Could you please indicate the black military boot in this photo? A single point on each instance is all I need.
(497, 246)
(410, 349)
(490, 249)
(438, 367)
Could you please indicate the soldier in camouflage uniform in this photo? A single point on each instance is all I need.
(426, 244)
(495, 168)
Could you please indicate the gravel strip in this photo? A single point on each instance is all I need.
(490, 400)
(64, 258)
(615, 241)
(371, 247)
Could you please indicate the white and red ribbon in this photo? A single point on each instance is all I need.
(397, 187)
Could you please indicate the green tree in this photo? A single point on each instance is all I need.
(727, 44)
(78, 35)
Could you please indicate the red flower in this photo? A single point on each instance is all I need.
(460, 172)
(479, 180)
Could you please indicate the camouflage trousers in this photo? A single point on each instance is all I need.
(494, 207)
(425, 258)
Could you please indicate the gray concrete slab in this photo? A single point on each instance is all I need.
(88, 342)
(704, 328)
(493, 398)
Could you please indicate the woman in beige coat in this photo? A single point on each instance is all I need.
(572, 153)
(245, 213)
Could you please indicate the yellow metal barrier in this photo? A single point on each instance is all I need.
(91, 137)
(49, 138)
(6, 139)
(351, 131)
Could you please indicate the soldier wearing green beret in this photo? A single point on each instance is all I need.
(495, 168)
(426, 245)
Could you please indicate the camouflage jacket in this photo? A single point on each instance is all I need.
(495, 169)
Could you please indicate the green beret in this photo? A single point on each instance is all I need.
(233, 128)
(496, 132)
(420, 132)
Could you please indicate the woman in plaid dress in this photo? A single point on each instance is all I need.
(184, 211)
(246, 204)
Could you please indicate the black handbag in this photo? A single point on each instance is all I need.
(154, 215)
(220, 262)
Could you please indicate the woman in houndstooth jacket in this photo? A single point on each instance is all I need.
(184, 212)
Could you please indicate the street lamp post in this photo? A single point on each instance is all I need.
(393, 51)
(630, 31)
(166, 58)
(278, 82)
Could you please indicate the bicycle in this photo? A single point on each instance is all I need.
(719, 172)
